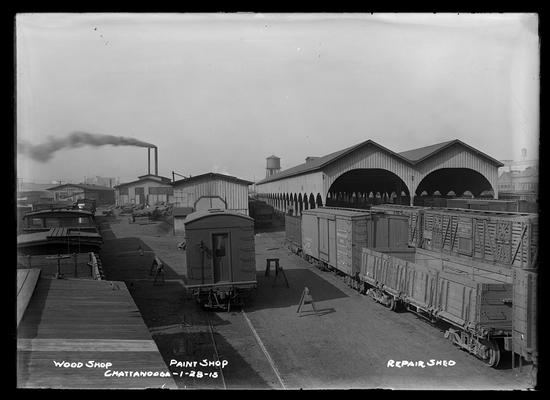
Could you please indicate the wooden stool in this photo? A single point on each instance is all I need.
(278, 269)
(268, 265)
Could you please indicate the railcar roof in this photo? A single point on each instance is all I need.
(349, 212)
(59, 211)
(213, 213)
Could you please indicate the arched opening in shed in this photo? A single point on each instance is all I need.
(446, 180)
(362, 188)
(450, 181)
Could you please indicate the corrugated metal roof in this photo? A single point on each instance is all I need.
(211, 175)
(411, 157)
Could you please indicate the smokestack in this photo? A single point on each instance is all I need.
(148, 161)
(156, 162)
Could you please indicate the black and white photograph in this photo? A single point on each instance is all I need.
(277, 201)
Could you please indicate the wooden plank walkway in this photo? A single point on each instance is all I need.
(79, 320)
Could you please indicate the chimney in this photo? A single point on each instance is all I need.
(156, 162)
(310, 158)
(148, 161)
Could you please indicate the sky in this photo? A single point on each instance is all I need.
(221, 92)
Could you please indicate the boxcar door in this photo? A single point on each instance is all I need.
(221, 257)
(323, 240)
(332, 242)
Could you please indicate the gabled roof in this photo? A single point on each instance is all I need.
(211, 175)
(421, 153)
(83, 186)
(411, 157)
(154, 178)
(320, 162)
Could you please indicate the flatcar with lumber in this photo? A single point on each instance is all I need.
(220, 257)
(485, 294)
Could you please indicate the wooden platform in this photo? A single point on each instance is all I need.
(26, 282)
(78, 320)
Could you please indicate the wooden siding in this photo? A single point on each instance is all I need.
(131, 196)
(234, 194)
(307, 183)
(457, 156)
(367, 158)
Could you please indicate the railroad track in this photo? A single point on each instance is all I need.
(215, 346)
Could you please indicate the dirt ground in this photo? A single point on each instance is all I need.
(348, 343)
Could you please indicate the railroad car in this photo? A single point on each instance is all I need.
(478, 312)
(333, 237)
(524, 311)
(84, 265)
(293, 233)
(476, 271)
(220, 256)
(487, 237)
(59, 231)
(414, 213)
(261, 212)
(481, 204)
(44, 220)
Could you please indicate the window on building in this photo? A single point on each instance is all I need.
(123, 191)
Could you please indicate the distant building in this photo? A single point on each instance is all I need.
(519, 185)
(518, 165)
(147, 189)
(212, 190)
(109, 182)
(519, 179)
(76, 191)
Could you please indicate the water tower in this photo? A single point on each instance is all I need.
(273, 166)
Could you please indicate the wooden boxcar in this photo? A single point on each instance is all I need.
(478, 311)
(489, 237)
(262, 213)
(413, 213)
(524, 329)
(335, 236)
(220, 255)
(293, 233)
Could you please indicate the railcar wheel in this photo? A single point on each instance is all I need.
(493, 352)
(392, 303)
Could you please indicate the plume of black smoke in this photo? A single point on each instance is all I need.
(45, 151)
